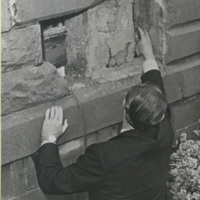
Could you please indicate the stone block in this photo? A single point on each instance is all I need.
(111, 42)
(6, 21)
(16, 134)
(185, 112)
(21, 47)
(31, 86)
(182, 42)
(149, 16)
(191, 81)
(106, 44)
(76, 44)
(28, 11)
(180, 12)
(12, 180)
(183, 77)
(29, 174)
(174, 80)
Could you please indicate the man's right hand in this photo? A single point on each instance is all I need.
(144, 45)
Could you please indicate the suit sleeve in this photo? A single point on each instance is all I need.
(152, 74)
(55, 179)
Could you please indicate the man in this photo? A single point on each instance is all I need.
(131, 166)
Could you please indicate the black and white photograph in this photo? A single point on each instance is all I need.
(100, 100)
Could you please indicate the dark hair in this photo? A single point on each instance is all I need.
(145, 106)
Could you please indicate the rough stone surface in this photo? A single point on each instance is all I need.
(28, 10)
(31, 86)
(149, 16)
(21, 47)
(6, 21)
(76, 44)
(180, 12)
(12, 180)
(182, 42)
(111, 42)
(106, 44)
(182, 20)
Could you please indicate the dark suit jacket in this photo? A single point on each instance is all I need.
(131, 166)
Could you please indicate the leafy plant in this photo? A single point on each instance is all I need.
(184, 179)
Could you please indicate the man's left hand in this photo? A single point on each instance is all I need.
(53, 123)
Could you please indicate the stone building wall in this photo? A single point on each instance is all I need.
(94, 40)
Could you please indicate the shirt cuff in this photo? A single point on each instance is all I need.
(150, 64)
(50, 139)
(46, 141)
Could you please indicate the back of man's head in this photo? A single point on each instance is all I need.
(145, 106)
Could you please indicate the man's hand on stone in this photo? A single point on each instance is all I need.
(53, 125)
(144, 45)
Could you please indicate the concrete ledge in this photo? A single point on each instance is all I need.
(101, 106)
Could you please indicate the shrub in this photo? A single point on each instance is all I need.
(184, 178)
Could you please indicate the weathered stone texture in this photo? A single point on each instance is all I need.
(111, 42)
(6, 21)
(173, 26)
(76, 43)
(106, 44)
(180, 12)
(149, 16)
(37, 10)
(21, 47)
(31, 86)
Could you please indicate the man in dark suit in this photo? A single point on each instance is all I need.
(131, 166)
